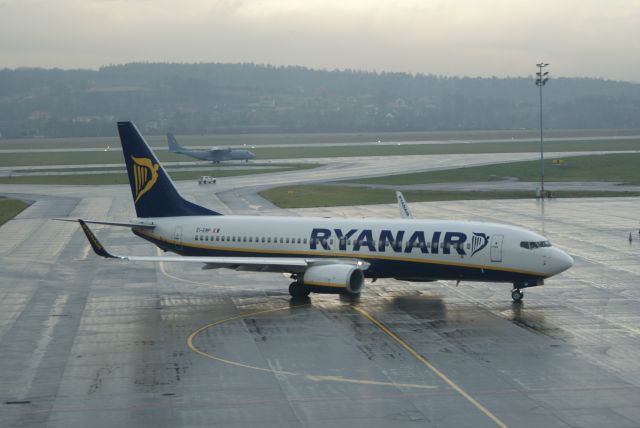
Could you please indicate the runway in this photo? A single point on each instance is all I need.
(90, 342)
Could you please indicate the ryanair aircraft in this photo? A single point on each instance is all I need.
(325, 255)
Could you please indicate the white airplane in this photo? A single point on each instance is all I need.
(325, 255)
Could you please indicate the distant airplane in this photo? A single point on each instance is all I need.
(324, 255)
(214, 155)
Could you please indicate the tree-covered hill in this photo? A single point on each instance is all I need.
(229, 98)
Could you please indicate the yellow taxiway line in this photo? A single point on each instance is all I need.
(431, 367)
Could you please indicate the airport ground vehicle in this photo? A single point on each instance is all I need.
(206, 179)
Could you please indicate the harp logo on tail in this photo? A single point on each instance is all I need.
(145, 174)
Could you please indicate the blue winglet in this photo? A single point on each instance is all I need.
(95, 244)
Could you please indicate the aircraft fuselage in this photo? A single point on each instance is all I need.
(398, 248)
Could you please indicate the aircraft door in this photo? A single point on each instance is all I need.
(177, 237)
(496, 248)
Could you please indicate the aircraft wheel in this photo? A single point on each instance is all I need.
(297, 290)
(517, 295)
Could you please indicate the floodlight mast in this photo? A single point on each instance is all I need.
(541, 79)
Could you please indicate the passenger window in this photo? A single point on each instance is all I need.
(305, 240)
(196, 237)
(298, 240)
(244, 239)
(287, 240)
(263, 239)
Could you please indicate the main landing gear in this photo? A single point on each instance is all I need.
(517, 295)
(297, 290)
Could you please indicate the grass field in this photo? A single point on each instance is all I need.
(222, 140)
(121, 177)
(76, 158)
(9, 208)
(115, 156)
(326, 196)
(624, 168)
(444, 149)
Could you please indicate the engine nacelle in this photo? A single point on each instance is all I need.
(333, 278)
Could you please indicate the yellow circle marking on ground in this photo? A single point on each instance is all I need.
(316, 378)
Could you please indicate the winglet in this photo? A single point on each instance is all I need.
(405, 212)
(95, 244)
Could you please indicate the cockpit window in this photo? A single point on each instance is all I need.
(532, 245)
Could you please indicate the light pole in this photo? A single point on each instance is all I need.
(541, 79)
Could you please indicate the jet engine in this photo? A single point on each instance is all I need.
(333, 278)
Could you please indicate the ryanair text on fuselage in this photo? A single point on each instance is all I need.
(439, 241)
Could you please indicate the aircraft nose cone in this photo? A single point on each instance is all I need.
(563, 261)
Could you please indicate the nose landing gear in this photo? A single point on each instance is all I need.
(517, 295)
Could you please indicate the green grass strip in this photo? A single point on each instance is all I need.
(114, 156)
(9, 208)
(327, 196)
(623, 168)
(248, 140)
(121, 177)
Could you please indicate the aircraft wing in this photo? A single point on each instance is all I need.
(110, 223)
(277, 264)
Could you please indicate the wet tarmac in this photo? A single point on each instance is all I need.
(90, 342)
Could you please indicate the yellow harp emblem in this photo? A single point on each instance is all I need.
(145, 174)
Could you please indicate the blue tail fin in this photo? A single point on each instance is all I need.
(154, 194)
(173, 144)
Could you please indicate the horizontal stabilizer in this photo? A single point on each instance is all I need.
(110, 223)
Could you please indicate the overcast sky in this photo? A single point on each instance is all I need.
(592, 38)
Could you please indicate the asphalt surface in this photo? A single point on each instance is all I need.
(91, 342)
